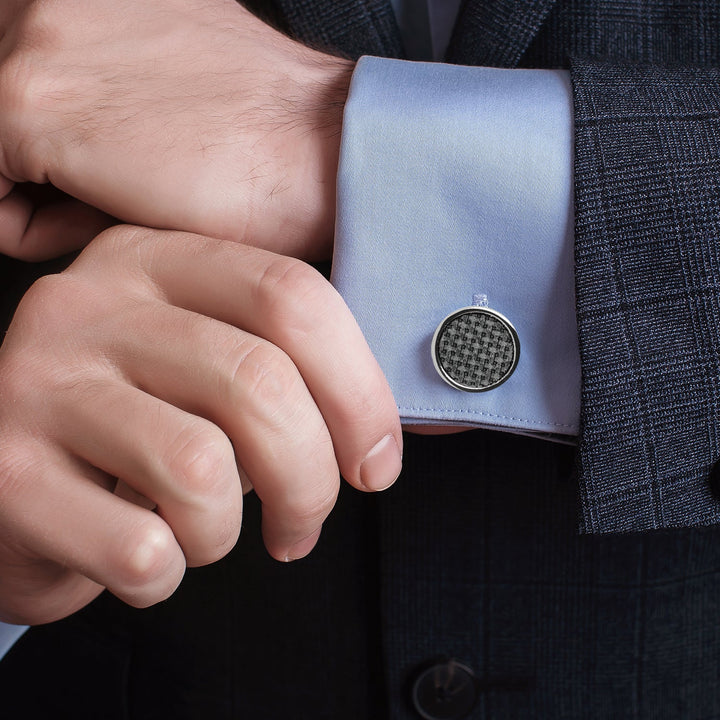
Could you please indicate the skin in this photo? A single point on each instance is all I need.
(178, 114)
(101, 378)
(164, 373)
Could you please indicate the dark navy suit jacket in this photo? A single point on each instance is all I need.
(475, 554)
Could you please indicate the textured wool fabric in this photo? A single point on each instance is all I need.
(646, 230)
(496, 32)
(648, 282)
(481, 562)
(351, 27)
(474, 553)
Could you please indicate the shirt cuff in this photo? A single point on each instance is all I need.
(9, 635)
(456, 182)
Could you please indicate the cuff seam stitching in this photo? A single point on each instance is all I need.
(482, 413)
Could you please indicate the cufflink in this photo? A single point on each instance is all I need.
(475, 349)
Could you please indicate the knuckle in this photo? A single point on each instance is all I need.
(47, 342)
(42, 298)
(263, 375)
(143, 557)
(47, 304)
(116, 243)
(292, 294)
(39, 20)
(29, 84)
(315, 504)
(44, 29)
(130, 252)
(45, 291)
(200, 460)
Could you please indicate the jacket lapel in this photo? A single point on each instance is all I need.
(496, 33)
(355, 27)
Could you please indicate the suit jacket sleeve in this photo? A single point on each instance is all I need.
(647, 224)
(646, 273)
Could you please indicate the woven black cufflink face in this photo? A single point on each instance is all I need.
(475, 349)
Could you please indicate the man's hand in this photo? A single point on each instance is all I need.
(183, 114)
(170, 361)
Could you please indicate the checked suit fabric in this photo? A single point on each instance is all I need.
(474, 554)
(647, 122)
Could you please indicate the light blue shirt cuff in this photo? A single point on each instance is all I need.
(9, 635)
(456, 181)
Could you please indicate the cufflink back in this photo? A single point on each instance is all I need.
(475, 349)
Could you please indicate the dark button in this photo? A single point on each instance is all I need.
(715, 480)
(445, 691)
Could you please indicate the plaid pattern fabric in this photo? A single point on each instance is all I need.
(646, 232)
(648, 288)
(474, 553)
(679, 33)
(496, 33)
(352, 27)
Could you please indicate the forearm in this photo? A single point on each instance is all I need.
(218, 124)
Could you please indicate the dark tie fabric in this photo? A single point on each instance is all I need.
(474, 555)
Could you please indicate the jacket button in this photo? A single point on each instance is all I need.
(445, 691)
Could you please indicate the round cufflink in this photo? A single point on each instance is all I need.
(475, 349)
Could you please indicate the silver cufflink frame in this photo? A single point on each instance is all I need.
(477, 337)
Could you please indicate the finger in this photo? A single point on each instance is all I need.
(37, 591)
(8, 10)
(32, 233)
(78, 524)
(292, 306)
(182, 463)
(253, 391)
(6, 186)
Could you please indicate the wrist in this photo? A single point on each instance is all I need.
(326, 108)
(308, 147)
(291, 127)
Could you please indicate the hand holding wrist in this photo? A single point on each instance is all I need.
(208, 120)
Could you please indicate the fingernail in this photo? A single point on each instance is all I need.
(382, 465)
(302, 548)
